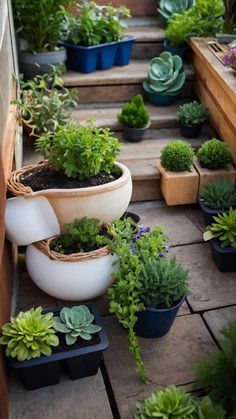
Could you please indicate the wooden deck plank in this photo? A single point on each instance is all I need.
(220, 319)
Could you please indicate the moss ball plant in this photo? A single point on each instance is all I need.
(134, 114)
(177, 156)
(214, 154)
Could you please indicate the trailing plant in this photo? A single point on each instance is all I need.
(192, 113)
(76, 322)
(214, 154)
(177, 156)
(134, 114)
(29, 334)
(224, 228)
(80, 151)
(165, 75)
(43, 101)
(219, 195)
(168, 7)
(96, 24)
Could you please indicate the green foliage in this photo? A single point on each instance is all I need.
(134, 114)
(219, 195)
(162, 283)
(29, 335)
(76, 322)
(214, 154)
(165, 75)
(43, 108)
(177, 156)
(224, 228)
(39, 22)
(96, 24)
(80, 151)
(217, 374)
(205, 409)
(168, 7)
(192, 113)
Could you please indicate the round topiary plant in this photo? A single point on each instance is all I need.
(214, 154)
(177, 156)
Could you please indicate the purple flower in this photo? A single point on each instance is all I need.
(228, 59)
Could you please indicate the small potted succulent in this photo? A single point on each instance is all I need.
(96, 40)
(135, 119)
(213, 162)
(179, 179)
(168, 7)
(191, 116)
(165, 79)
(222, 236)
(42, 341)
(217, 197)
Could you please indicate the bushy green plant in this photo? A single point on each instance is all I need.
(224, 229)
(165, 75)
(176, 35)
(80, 151)
(205, 409)
(168, 7)
(39, 23)
(192, 113)
(29, 335)
(214, 154)
(219, 195)
(177, 156)
(96, 24)
(76, 322)
(134, 114)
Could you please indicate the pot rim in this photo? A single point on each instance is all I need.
(163, 310)
(125, 127)
(127, 38)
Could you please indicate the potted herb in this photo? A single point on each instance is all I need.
(217, 197)
(96, 40)
(222, 233)
(32, 338)
(39, 25)
(80, 176)
(179, 179)
(191, 116)
(176, 39)
(135, 118)
(165, 79)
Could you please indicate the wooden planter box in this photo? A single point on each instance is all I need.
(179, 188)
(207, 176)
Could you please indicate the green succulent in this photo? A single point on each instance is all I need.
(214, 154)
(219, 195)
(134, 114)
(165, 75)
(224, 228)
(29, 335)
(168, 7)
(177, 156)
(76, 322)
(192, 113)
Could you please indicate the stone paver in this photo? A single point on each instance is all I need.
(220, 319)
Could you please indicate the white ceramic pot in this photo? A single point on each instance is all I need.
(71, 281)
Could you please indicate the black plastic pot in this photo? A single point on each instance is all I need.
(135, 217)
(154, 323)
(134, 135)
(190, 130)
(208, 213)
(81, 362)
(224, 257)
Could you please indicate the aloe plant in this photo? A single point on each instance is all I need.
(165, 75)
(168, 7)
(224, 228)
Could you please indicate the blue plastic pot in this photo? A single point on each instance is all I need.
(124, 51)
(224, 257)
(181, 51)
(159, 99)
(154, 323)
(208, 213)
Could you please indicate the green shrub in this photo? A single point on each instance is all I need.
(219, 195)
(29, 335)
(177, 156)
(192, 113)
(224, 229)
(80, 151)
(134, 114)
(214, 154)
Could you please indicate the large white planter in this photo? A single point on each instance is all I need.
(72, 281)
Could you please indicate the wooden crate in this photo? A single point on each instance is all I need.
(207, 176)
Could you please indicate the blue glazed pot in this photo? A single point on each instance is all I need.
(224, 257)
(154, 323)
(180, 51)
(158, 99)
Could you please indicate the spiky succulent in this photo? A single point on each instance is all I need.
(219, 195)
(192, 113)
(29, 335)
(168, 7)
(165, 75)
(76, 322)
(224, 228)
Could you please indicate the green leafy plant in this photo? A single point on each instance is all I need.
(192, 113)
(29, 335)
(80, 151)
(219, 195)
(96, 24)
(214, 154)
(39, 23)
(168, 7)
(224, 228)
(177, 156)
(165, 75)
(76, 322)
(134, 114)
(205, 409)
